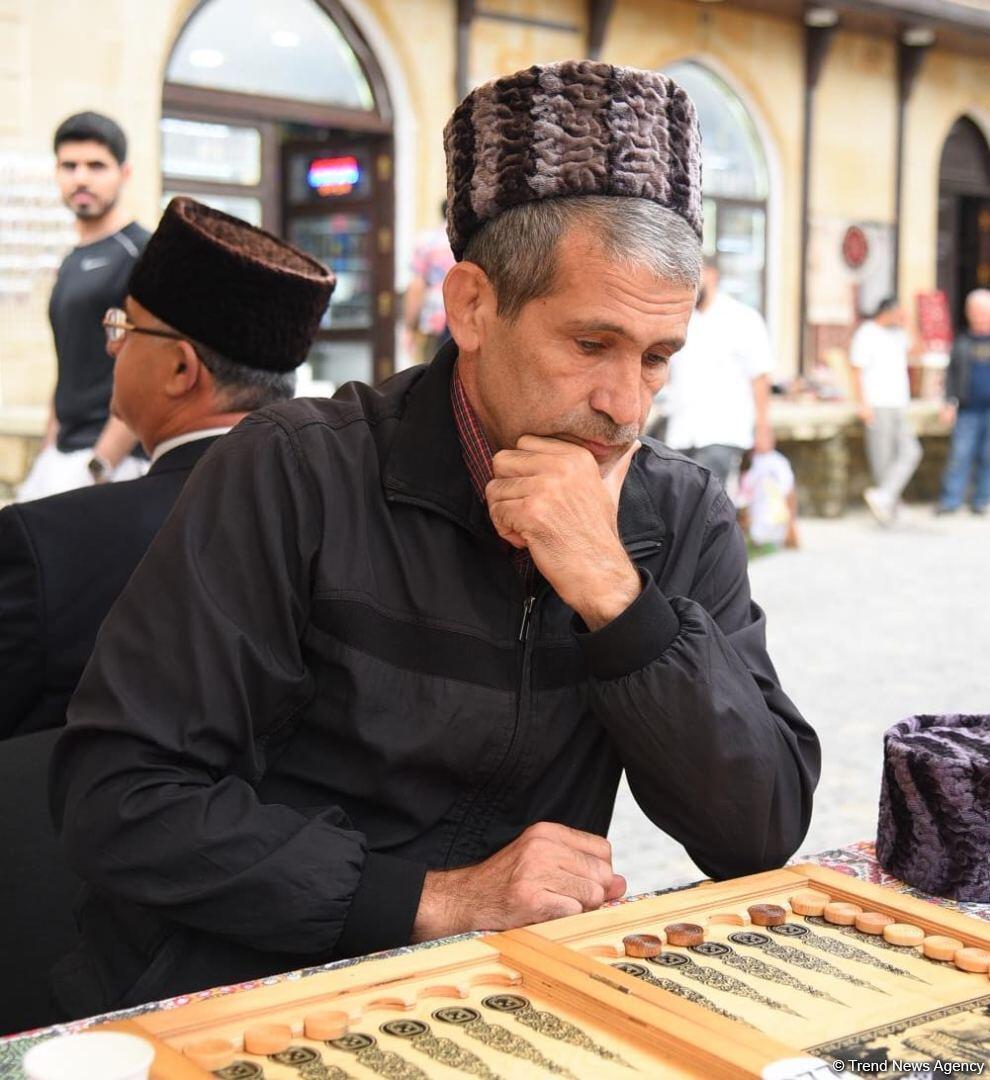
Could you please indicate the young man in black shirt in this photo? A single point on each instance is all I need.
(83, 442)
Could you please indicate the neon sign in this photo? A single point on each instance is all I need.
(333, 176)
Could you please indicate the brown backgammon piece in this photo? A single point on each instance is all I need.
(210, 1054)
(873, 922)
(685, 934)
(809, 902)
(767, 914)
(940, 947)
(900, 933)
(265, 1039)
(972, 959)
(841, 913)
(642, 946)
(330, 1024)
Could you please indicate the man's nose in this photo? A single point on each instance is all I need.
(620, 395)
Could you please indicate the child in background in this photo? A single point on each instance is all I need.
(767, 501)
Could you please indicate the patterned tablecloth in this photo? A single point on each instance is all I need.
(856, 860)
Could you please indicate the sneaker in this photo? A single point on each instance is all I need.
(980, 510)
(944, 511)
(879, 505)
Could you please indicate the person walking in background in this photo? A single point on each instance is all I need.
(424, 316)
(967, 402)
(879, 356)
(83, 444)
(719, 389)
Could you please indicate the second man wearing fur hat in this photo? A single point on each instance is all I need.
(201, 341)
(415, 634)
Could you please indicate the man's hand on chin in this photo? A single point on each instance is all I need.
(547, 872)
(549, 496)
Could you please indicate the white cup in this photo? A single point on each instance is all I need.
(90, 1055)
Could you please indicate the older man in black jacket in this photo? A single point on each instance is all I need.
(65, 558)
(415, 634)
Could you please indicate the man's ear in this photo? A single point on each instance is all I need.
(185, 371)
(469, 299)
(125, 172)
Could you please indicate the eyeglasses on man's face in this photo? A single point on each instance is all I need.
(117, 327)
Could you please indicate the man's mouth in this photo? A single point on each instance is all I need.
(601, 451)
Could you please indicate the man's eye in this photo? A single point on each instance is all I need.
(655, 360)
(590, 346)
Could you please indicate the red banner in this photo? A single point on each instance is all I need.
(934, 320)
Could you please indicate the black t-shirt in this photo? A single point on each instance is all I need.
(91, 279)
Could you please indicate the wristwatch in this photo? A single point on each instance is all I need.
(99, 468)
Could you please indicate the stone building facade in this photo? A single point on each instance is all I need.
(845, 144)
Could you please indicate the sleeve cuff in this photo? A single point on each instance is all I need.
(384, 907)
(633, 639)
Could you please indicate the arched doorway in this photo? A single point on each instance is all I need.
(279, 114)
(736, 186)
(963, 215)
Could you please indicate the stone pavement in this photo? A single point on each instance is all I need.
(865, 626)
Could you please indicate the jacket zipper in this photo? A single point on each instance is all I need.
(634, 550)
(638, 548)
(527, 611)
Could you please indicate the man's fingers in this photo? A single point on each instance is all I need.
(508, 517)
(617, 888)
(589, 843)
(514, 487)
(545, 444)
(585, 866)
(519, 463)
(553, 905)
(589, 894)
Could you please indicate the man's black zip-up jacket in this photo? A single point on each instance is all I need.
(319, 684)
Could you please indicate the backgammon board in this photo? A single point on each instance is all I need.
(754, 977)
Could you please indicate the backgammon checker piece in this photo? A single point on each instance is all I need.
(642, 946)
(684, 934)
(767, 914)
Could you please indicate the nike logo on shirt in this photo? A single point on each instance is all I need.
(93, 264)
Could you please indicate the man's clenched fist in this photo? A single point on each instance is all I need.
(546, 872)
(549, 496)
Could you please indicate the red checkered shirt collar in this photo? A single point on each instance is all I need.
(477, 451)
(475, 445)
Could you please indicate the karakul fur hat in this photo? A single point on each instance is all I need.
(934, 830)
(574, 128)
(254, 298)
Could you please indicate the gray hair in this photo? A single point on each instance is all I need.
(518, 248)
(242, 388)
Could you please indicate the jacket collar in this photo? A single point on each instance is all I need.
(425, 464)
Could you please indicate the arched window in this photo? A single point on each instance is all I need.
(277, 112)
(288, 49)
(734, 180)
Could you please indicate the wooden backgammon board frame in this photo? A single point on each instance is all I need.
(568, 964)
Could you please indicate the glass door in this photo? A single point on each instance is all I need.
(337, 208)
